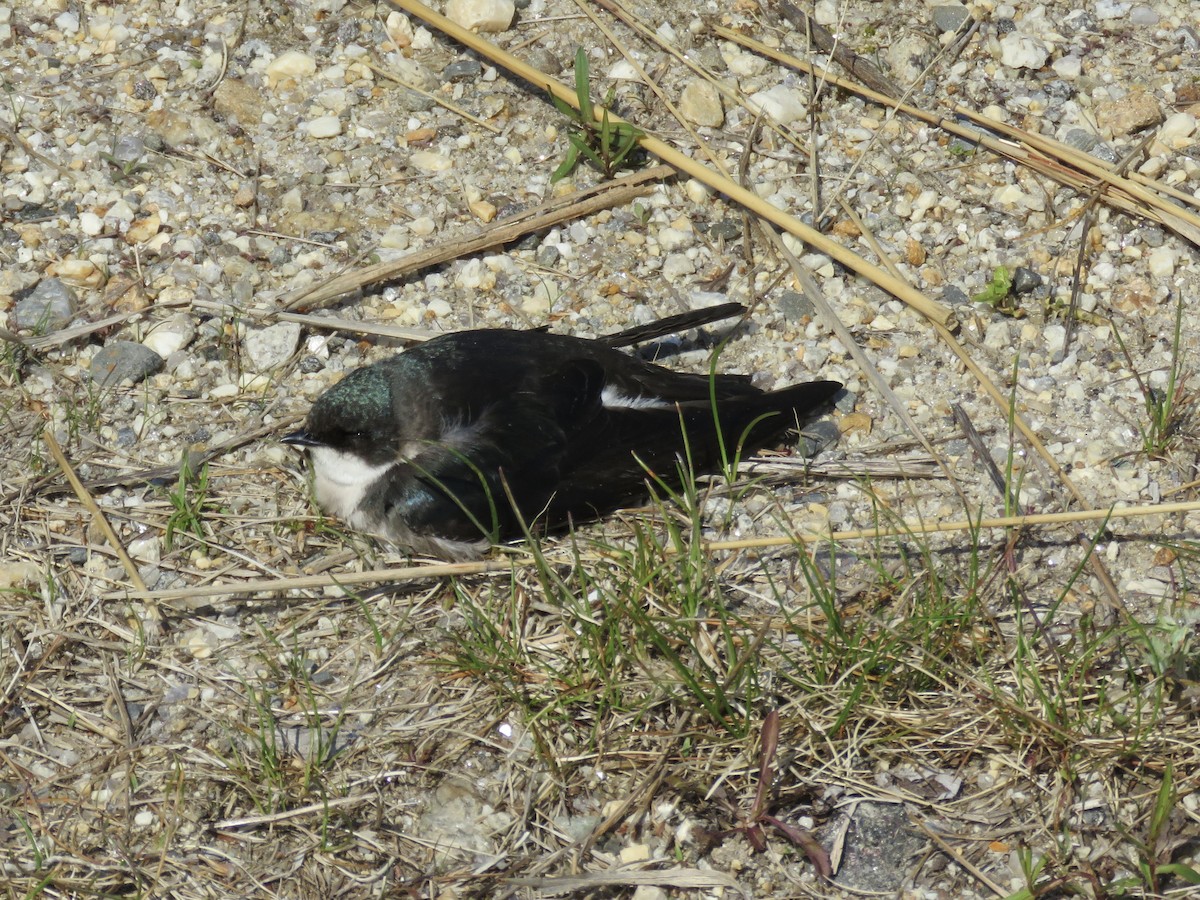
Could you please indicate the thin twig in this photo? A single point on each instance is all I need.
(446, 570)
(578, 205)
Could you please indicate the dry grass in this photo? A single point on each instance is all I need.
(634, 705)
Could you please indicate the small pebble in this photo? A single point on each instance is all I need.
(482, 15)
(1025, 280)
(1161, 262)
(171, 335)
(292, 65)
(783, 104)
(700, 103)
(950, 17)
(462, 70)
(270, 347)
(324, 127)
(122, 361)
(1021, 51)
(1136, 110)
(430, 161)
(50, 306)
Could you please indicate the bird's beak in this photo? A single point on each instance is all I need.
(300, 438)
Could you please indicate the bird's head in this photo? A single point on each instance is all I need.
(357, 415)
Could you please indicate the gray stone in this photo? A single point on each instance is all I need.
(272, 346)
(50, 306)
(727, 229)
(795, 305)
(818, 436)
(462, 69)
(952, 295)
(1025, 280)
(950, 18)
(879, 848)
(124, 360)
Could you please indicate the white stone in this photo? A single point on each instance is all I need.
(1161, 262)
(475, 276)
(439, 308)
(395, 238)
(110, 34)
(741, 64)
(422, 226)
(674, 238)
(826, 13)
(481, 15)
(147, 549)
(170, 336)
(697, 190)
(90, 224)
(1021, 51)
(412, 72)
(324, 127)
(676, 266)
(293, 64)
(120, 211)
(399, 29)
(250, 383)
(997, 336)
(1111, 9)
(430, 161)
(1055, 336)
(1068, 67)
(624, 70)
(1177, 130)
(783, 104)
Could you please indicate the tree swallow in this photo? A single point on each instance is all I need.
(458, 441)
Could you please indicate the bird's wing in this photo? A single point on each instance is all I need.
(458, 485)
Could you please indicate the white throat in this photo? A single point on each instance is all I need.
(341, 480)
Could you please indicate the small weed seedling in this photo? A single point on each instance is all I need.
(1169, 410)
(605, 144)
(188, 502)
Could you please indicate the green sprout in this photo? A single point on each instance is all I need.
(605, 144)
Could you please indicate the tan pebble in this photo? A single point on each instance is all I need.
(30, 235)
(914, 253)
(420, 135)
(846, 228)
(482, 15)
(141, 230)
(399, 29)
(1164, 556)
(856, 422)
(78, 272)
(292, 65)
(244, 197)
(430, 161)
(483, 210)
(132, 298)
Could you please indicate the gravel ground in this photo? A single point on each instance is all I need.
(174, 172)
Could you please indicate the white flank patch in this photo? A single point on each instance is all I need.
(611, 398)
(341, 480)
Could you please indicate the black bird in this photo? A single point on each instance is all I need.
(433, 448)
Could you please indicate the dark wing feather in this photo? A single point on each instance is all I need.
(612, 453)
